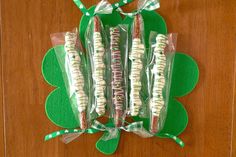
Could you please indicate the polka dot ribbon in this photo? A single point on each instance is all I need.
(175, 138)
(68, 131)
(104, 7)
(148, 5)
(135, 127)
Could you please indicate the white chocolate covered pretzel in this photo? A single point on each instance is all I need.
(77, 78)
(99, 68)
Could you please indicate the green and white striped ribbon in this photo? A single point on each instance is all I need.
(107, 10)
(68, 131)
(96, 126)
(135, 127)
(148, 5)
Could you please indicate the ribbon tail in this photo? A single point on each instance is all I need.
(143, 133)
(176, 139)
(67, 138)
(110, 134)
(120, 3)
(80, 5)
(62, 132)
(138, 129)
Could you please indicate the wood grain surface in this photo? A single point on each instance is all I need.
(2, 147)
(207, 32)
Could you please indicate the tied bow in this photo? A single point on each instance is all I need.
(137, 128)
(103, 7)
(148, 5)
(69, 135)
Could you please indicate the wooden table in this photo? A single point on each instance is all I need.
(207, 32)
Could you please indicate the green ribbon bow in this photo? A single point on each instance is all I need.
(148, 5)
(135, 127)
(103, 7)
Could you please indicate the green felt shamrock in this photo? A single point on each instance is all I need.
(184, 78)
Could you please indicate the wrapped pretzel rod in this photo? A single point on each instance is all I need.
(77, 78)
(157, 101)
(99, 67)
(136, 55)
(118, 91)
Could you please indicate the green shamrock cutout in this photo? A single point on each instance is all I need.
(185, 77)
(57, 104)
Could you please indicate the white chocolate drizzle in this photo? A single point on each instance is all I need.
(77, 79)
(98, 73)
(137, 52)
(117, 75)
(157, 101)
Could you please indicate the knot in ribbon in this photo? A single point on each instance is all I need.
(148, 5)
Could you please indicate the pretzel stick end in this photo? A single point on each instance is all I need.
(83, 121)
(154, 124)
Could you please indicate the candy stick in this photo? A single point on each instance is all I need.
(117, 76)
(77, 76)
(157, 101)
(99, 68)
(137, 52)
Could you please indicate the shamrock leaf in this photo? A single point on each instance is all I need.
(51, 70)
(185, 76)
(57, 106)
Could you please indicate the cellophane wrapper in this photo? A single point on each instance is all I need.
(78, 96)
(138, 91)
(159, 74)
(118, 43)
(97, 48)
